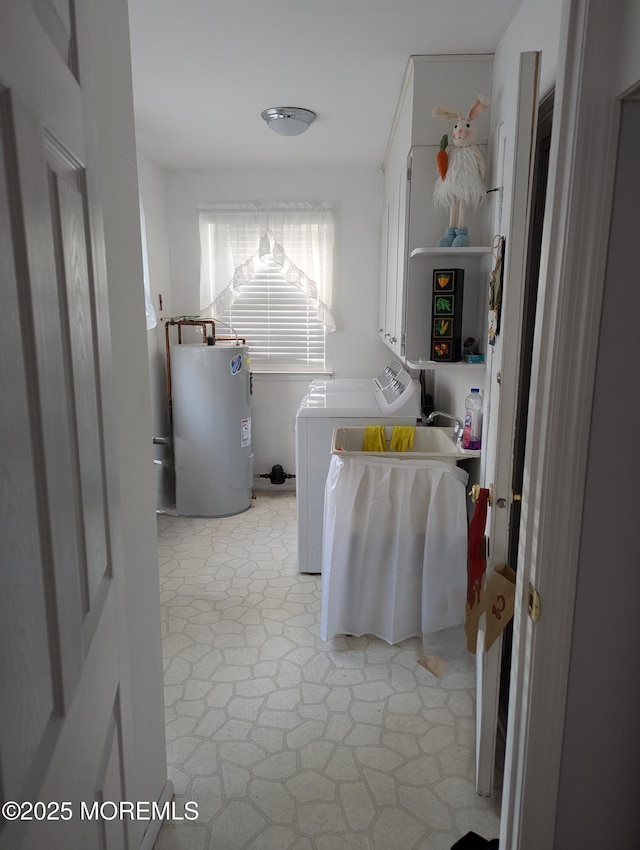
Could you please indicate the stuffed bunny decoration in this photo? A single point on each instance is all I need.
(463, 183)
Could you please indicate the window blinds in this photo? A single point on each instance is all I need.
(267, 272)
(279, 323)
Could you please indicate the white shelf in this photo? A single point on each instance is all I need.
(430, 365)
(450, 252)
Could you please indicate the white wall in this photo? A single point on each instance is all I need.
(354, 350)
(535, 26)
(152, 189)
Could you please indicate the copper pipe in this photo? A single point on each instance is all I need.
(180, 323)
(231, 339)
(168, 359)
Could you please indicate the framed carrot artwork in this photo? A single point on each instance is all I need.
(446, 326)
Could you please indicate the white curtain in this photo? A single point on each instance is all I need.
(394, 547)
(235, 239)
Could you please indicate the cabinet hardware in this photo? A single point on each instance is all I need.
(516, 497)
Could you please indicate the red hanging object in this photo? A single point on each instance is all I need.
(476, 558)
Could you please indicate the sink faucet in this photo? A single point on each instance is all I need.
(457, 427)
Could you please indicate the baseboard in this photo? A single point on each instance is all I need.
(151, 833)
(263, 485)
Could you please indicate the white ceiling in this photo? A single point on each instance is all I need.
(203, 71)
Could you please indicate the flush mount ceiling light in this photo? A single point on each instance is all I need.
(288, 120)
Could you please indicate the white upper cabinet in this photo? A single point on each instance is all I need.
(411, 223)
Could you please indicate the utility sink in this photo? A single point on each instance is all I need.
(430, 443)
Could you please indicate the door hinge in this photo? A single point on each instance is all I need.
(534, 605)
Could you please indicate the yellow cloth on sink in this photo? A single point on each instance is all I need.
(402, 438)
(374, 440)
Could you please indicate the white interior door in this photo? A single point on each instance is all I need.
(554, 660)
(64, 700)
(502, 395)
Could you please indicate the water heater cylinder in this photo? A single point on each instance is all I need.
(211, 403)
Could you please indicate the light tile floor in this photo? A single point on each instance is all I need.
(291, 743)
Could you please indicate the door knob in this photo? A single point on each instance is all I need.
(475, 494)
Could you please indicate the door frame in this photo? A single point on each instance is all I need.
(574, 251)
(532, 275)
(503, 381)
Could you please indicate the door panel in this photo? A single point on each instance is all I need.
(26, 696)
(76, 279)
(56, 20)
(47, 335)
(74, 770)
(61, 610)
(110, 785)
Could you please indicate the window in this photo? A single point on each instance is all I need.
(266, 271)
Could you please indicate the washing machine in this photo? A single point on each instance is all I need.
(393, 397)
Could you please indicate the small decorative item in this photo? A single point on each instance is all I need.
(461, 171)
(443, 305)
(444, 280)
(495, 289)
(442, 157)
(446, 329)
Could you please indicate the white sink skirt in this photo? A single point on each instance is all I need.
(394, 544)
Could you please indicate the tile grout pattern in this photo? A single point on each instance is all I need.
(291, 743)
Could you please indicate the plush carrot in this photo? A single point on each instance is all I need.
(442, 157)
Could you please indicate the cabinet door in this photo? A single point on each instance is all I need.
(395, 219)
(394, 255)
(392, 262)
(398, 328)
(384, 255)
(422, 229)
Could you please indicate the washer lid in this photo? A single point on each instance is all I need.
(339, 404)
(342, 385)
